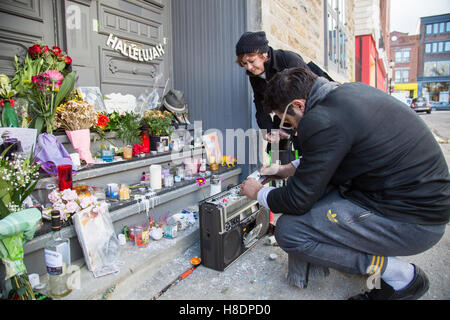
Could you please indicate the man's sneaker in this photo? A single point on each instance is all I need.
(413, 291)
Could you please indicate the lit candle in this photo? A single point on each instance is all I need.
(212, 159)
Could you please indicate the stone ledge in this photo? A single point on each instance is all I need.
(136, 263)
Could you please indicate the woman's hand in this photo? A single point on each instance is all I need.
(277, 172)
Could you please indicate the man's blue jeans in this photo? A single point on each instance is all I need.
(338, 233)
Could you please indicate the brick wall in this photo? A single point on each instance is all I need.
(298, 25)
(406, 41)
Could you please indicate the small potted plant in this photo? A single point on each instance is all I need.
(160, 125)
(128, 130)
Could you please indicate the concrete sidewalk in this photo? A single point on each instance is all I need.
(254, 276)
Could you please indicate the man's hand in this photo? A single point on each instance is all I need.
(250, 188)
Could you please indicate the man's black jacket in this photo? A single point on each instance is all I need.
(377, 147)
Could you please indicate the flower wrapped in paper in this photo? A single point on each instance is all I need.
(15, 229)
(76, 118)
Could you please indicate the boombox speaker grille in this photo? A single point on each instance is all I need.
(232, 245)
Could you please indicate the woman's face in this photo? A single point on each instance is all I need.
(254, 62)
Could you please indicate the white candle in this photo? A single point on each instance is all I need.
(155, 176)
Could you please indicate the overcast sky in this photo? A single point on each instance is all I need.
(406, 13)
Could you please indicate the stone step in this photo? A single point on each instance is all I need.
(135, 264)
(172, 201)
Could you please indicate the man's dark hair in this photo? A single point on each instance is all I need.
(287, 85)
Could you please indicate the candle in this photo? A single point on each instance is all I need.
(212, 159)
(155, 176)
(65, 176)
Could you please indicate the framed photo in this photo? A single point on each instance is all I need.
(94, 96)
(212, 147)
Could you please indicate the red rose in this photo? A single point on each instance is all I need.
(11, 102)
(56, 50)
(44, 49)
(2, 103)
(68, 60)
(138, 149)
(34, 50)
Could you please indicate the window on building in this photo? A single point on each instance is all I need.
(401, 75)
(336, 35)
(436, 68)
(436, 91)
(402, 55)
(440, 47)
(435, 47)
(428, 48)
(435, 28)
(429, 29)
(442, 27)
(448, 27)
(447, 46)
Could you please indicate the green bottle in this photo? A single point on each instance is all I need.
(9, 117)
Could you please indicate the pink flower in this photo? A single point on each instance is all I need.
(55, 77)
(69, 195)
(54, 196)
(200, 181)
(72, 207)
(87, 201)
(60, 206)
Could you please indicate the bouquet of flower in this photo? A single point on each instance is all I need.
(75, 115)
(39, 59)
(18, 178)
(43, 78)
(68, 203)
(159, 122)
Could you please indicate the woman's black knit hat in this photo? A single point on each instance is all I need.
(252, 42)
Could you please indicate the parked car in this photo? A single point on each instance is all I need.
(440, 105)
(420, 105)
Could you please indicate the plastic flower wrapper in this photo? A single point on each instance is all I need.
(15, 229)
(97, 238)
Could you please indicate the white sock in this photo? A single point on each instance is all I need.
(398, 274)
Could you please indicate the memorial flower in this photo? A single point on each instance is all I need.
(44, 79)
(159, 122)
(69, 203)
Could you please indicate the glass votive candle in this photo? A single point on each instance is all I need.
(141, 236)
(64, 177)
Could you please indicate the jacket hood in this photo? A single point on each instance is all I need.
(320, 89)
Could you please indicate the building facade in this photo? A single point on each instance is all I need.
(321, 31)
(434, 59)
(404, 58)
(371, 45)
